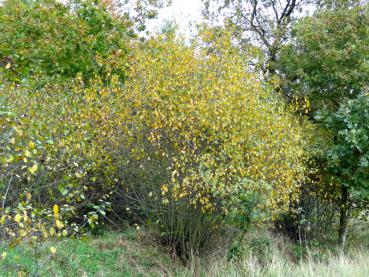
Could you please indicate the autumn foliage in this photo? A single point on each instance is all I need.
(183, 139)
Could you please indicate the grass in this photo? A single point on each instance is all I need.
(130, 253)
(113, 254)
(340, 266)
(280, 261)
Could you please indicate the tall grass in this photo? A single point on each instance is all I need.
(341, 265)
(280, 258)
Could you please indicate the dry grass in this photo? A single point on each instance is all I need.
(277, 258)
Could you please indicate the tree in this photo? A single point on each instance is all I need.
(326, 63)
(339, 4)
(348, 157)
(139, 11)
(327, 59)
(266, 23)
(48, 37)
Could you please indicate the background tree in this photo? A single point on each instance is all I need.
(327, 59)
(265, 23)
(139, 10)
(348, 157)
(67, 38)
(326, 63)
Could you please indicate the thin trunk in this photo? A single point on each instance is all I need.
(344, 216)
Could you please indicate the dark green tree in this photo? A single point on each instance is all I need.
(327, 59)
(348, 157)
(327, 63)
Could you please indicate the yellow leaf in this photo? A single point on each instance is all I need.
(28, 196)
(164, 188)
(22, 233)
(31, 145)
(52, 231)
(33, 169)
(52, 249)
(8, 65)
(58, 224)
(56, 210)
(17, 218)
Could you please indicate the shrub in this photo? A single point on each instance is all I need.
(189, 144)
(212, 144)
(54, 150)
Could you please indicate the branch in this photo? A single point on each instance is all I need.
(275, 10)
(288, 9)
(257, 28)
(7, 190)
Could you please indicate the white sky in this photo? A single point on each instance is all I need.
(184, 12)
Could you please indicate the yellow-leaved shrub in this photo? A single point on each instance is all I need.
(213, 121)
(191, 141)
(53, 152)
(212, 144)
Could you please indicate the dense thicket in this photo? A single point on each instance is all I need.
(186, 134)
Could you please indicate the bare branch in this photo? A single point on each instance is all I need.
(275, 10)
(289, 8)
(260, 31)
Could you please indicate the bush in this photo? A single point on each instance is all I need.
(189, 144)
(212, 144)
(53, 151)
(52, 132)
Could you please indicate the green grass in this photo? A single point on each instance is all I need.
(113, 254)
(129, 253)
